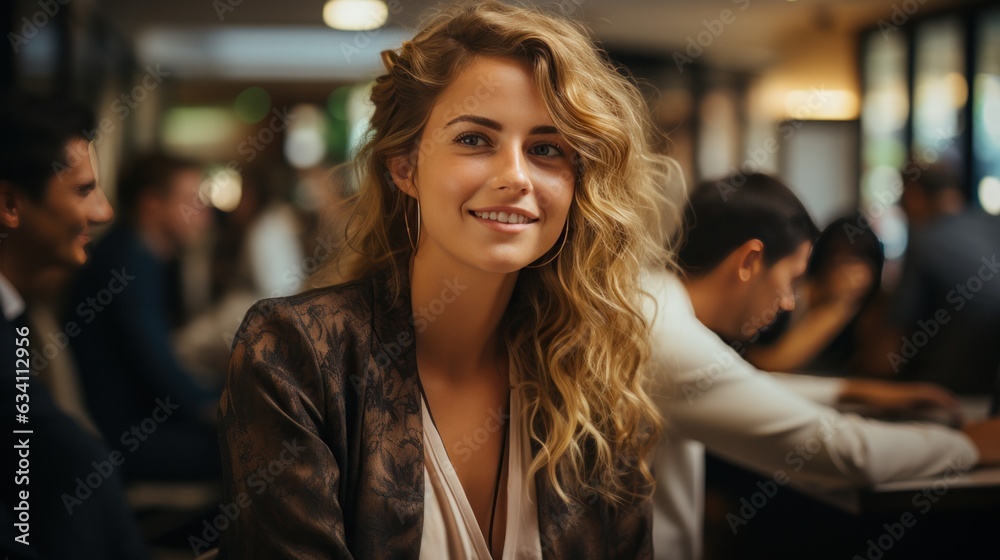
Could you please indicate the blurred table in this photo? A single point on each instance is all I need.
(977, 488)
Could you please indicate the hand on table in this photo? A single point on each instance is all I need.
(900, 396)
(986, 437)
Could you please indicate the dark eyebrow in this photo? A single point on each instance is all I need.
(543, 130)
(490, 123)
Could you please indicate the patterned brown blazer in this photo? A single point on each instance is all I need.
(322, 439)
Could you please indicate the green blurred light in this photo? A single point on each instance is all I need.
(192, 128)
(337, 103)
(252, 104)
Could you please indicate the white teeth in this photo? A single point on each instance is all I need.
(503, 217)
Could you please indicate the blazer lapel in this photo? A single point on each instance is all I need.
(393, 420)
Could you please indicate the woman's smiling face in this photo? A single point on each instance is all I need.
(494, 177)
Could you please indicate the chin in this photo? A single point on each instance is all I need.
(500, 267)
(77, 258)
(499, 262)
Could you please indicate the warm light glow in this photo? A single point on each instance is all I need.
(355, 15)
(989, 194)
(959, 89)
(885, 110)
(222, 188)
(821, 104)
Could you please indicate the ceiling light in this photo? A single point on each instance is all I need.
(355, 15)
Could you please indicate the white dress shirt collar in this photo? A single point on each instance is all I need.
(13, 303)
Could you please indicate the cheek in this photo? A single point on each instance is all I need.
(452, 183)
(555, 196)
(69, 216)
(764, 298)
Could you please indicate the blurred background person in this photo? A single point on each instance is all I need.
(257, 253)
(946, 309)
(821, 334)
(267, 247)
(51, 204)
(129, 371)
(742, 252)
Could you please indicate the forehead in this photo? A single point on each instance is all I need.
(500, 87)
(80, 164)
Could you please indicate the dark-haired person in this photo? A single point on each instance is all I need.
(743, 251)
(50, 204)
(128, 369)
(821, 334)
(946, 308)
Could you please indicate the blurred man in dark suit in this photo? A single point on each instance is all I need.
(63, 498)
(947, 305)
(128, 368)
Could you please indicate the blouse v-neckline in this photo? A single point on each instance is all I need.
(451, 528)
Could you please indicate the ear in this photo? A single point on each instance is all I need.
(10, 198)
(401, 171)
(750, 258)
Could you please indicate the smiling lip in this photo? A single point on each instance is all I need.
(503, 212)
(531, 217)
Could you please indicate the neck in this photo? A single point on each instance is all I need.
(457, 313)
(709, 308)
(17, 265)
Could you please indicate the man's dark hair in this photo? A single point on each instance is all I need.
(149, 173)
(34, 131)
(723, 215)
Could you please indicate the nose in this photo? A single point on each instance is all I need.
(100, 210)
(513, 173)
(787, 301)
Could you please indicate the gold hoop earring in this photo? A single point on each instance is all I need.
(409, 235)
(559, 252)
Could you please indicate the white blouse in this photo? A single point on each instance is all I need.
(450, 528)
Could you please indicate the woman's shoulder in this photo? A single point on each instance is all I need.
(332, 316)
(354, 294)
(326, 333)
(346, 305)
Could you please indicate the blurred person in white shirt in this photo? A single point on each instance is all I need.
(747, 243)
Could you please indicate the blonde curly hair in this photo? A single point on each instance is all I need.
(575, 326)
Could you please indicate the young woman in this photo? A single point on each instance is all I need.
(474, 389)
